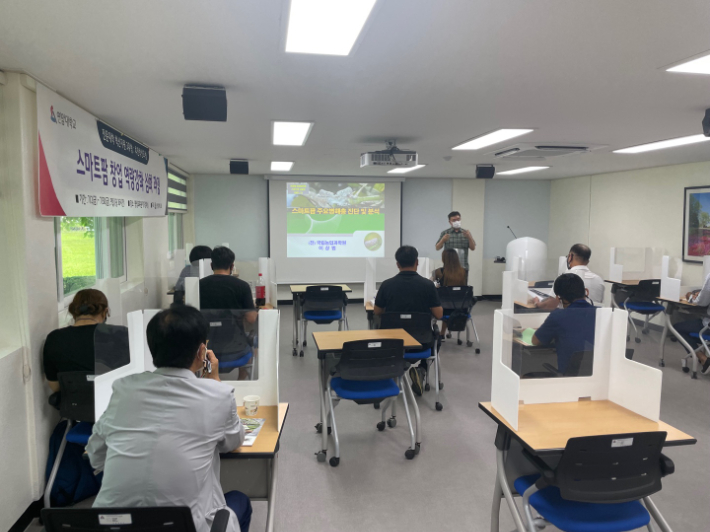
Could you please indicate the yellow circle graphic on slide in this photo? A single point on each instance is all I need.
(373, 241)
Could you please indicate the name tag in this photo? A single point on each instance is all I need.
(456, 288)
(625, 442)
(371, 345)
(215, 324)
(115, 519)
(90, 378)
(405, 316)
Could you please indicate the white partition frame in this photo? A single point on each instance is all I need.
(514, 289)
(561, 265)
(629, 384)
(112, 290)
(616, 271)
(670, 287)
(706, 268)
(192, 292)
(370, 286)
(205, 268)
(267, 269)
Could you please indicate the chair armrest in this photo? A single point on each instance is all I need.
(220, 522)
(667, 465)
(546, 472)
(552, 369)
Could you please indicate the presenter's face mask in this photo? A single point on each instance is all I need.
(456, 224)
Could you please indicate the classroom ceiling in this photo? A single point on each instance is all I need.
(431, 74)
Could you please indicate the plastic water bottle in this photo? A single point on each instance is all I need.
(260, 292)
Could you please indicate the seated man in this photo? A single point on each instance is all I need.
(572, 327)
(159, 440)
(701, 298)
(197, 253)
(409, 292)
(577, 261)
(222, 290)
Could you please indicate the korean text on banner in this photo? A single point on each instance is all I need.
(88, 168)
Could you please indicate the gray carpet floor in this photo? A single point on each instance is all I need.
(449, 486)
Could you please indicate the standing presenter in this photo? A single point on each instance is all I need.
(458, 239)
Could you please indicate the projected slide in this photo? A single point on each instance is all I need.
(330, 219)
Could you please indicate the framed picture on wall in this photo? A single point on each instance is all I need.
(696, 224)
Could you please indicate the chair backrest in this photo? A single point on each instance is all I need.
(77, 389)
(456, 297)
(647, 290)
(371, 360)
(417, 324)
(227, 337)
(580, 364)
(111, 349)
(612, 468)
(544, 284)
(325, 297)
(164, 519)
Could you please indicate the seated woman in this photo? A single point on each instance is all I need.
(72, 348)
(451, 274)
(701, 298)
(197, 253)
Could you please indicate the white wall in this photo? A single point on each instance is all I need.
(468, 199)
(425, 206)
(234, 209)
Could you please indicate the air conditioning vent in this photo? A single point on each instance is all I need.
(539, 152)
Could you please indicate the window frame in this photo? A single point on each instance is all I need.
(176, 237)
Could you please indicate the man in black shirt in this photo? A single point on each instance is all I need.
(409, 292)
(222, 290)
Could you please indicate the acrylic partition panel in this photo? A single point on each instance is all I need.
(561, 265)
(192, 292)
(706, 268)
(205, 267)
(247, 271)
(267, 269)
(635, 263)
(670, 280)
(514, 289)
(176, 263)
(234, 340)
(112, 290)
(370, 287)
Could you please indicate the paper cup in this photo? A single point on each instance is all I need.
(251, 405)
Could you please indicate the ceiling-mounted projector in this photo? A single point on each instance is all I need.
(391, 156)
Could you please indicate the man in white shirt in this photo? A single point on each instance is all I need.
(577, 261)
(159, 440)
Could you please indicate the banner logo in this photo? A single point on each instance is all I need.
(51, 110)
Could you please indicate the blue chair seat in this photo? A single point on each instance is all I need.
(697, 335)
(80, 433)
(644, 307)
(356, 390)
(236, 363)
(323, 315)
(417, 355)
(572, 516)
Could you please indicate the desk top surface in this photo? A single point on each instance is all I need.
(527, 305)
(369, 306)
(268, 438)
(548, 426)
(334, 340)
(300, 288)
(682, 301)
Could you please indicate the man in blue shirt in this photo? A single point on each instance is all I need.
(571, 328)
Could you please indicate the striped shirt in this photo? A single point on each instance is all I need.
(457, 240)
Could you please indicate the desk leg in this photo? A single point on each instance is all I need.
(272, 494)
(370, 319)
(323, 414)
(295, 325)
(502, 482)
(687, 347)
(664, 336)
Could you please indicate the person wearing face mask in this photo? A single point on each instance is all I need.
(457, 238)
(72, 348)
(159, 440)
(577, 263)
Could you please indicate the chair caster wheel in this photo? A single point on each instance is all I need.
(295, 353)
(441, 385)
(301, 353)
(410, 454)
(391, 422)
(439, 407)
(381, 426)
(417, 448)
(427, 387)
(637, 340)
(469, 344)
(448, 335)
(320, 455)
(478, 351)
(662, 363)
(334, 461)
(686, 369)
(459, 342)
(377, 406)
(305, 343)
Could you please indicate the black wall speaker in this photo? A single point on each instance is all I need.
(485, 171)
(204, 103)
(239, 167)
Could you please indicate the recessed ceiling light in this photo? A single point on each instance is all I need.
(291, 133)
(662, 144)
(700, 65)
(326, 26)
(491, 138)
(281, 166)
(406, 170)
(524, 170)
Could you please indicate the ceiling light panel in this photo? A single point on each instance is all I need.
(524, 170)
(328, 27)
(281, 166)
(492, 138)
(701, 65)
(660, 145)
(406, 170)
(291, 133)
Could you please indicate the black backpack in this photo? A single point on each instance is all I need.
(457, 320)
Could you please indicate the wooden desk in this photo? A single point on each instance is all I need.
(256, 467)
(527, 305)
(545, 428)
(332, 341)
(297, 291)
(301, 288)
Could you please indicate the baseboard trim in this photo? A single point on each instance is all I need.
(28, 516)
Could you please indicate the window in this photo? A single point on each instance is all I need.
(87, 249)
(176, 237)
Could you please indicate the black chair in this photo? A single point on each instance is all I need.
(457, 302)
(419, 327)
(369, 371)
(598, 482)
(641, 299)
(579, 365)
(322, 304)
(162, 519)
(76, 405)
(227, 338)
(111, 349)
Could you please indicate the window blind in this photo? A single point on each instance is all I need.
(177, 193)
